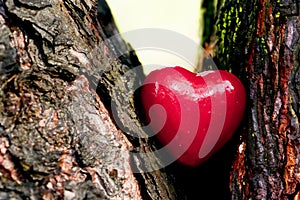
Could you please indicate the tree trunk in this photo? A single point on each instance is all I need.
(61, 75)
(259, 42)
(67, 111)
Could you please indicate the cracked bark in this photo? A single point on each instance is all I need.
(263, 49)
(59, 83)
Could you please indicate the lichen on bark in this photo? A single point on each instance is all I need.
(263, 52)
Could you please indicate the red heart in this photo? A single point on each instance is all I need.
(193, 115)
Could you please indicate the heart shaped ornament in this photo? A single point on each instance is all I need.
(192, 115)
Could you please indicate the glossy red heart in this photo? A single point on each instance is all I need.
(193, 115)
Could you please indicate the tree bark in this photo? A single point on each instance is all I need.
(62, 80)
(259, 42)
(61, 76)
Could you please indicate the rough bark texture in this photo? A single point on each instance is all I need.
(259, 42)
(58, 83)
